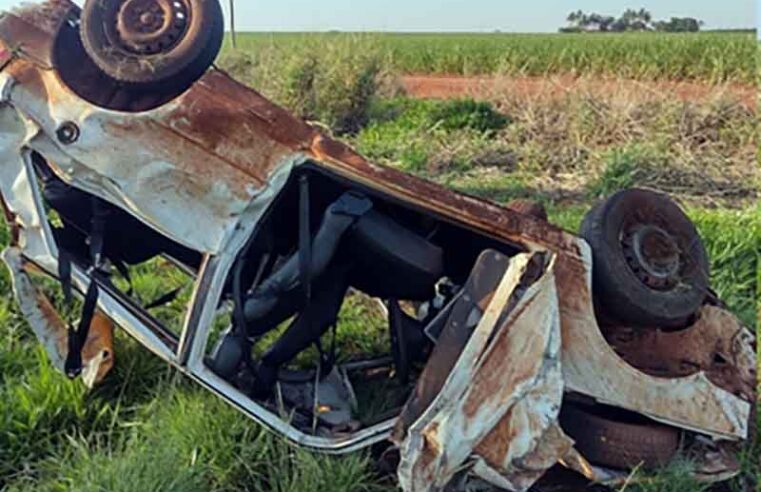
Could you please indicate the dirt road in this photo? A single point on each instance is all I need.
(448, 87)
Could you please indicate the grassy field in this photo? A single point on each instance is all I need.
(714, 57)
(149, 429)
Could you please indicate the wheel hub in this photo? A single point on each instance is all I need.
(151, 26)
(653, 255)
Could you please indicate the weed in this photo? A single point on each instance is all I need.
(335, 85)
(468, 114)
(676, 478)
(625, 168)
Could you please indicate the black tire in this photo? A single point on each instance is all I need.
(619, 444)
(650, 267)
(182, 46)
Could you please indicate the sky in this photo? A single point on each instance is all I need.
(464, 15)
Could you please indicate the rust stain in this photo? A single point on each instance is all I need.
(238, 125)
(98, 352)
(491, 375)
(31, 29)
(497, 443)
(54, 321)
(201, 170)
(709, 346)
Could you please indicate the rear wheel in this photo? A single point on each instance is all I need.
(619, 441)
(650, 266)
(153, 42)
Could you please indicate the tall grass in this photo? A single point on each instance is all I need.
(334, 83)
(714, 57)
(577, 148)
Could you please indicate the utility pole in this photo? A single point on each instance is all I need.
(232, 23)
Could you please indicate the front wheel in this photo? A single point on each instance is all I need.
(650, 267)
(153, 42)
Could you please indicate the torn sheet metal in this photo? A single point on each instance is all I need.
(52, 331)
(501, 401)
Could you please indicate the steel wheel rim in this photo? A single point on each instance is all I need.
(149, 27)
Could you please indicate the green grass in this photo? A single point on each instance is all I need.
(715, 57)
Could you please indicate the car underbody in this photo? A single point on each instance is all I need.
(501, 344)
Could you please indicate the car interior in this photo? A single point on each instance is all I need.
(322, 240)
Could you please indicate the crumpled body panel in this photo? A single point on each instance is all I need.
(500, 403)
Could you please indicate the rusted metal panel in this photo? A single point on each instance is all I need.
(31, 30)
(716, 344)
(52, 331)
(507, 383)
(135, 162)
(501, 462)
(593, 368)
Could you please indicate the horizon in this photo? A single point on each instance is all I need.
(747, 30)
(461, 16)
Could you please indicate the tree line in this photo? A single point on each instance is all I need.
(630, 21)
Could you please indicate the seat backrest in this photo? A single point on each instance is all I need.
(394, 262)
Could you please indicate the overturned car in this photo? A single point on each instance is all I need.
(513, 346)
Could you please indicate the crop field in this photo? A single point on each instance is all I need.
(713, 57)
(148, 428)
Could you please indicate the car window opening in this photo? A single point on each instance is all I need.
(365, 249)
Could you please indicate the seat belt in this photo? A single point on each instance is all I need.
(77, 337)
(305, 240)
(327, 359)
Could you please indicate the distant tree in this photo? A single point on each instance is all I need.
(579, 21)
(606, 23)
(575, 17)
(634, 20)
(679, 24)
(630, 20)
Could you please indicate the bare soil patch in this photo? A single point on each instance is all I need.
(450, 87)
